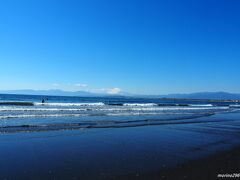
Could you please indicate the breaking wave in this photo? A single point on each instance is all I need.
(70, 104)
(35, 116)
(201, 105)
(140, 104)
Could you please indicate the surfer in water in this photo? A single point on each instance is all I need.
(43, 101)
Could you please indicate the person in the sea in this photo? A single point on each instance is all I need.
(43, 101)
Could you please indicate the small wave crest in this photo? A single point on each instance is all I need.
(201, 105)
(140, 104)
(70, 104)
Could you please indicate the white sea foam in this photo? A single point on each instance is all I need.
(140, 104)
(180, 108)
(201, 105)
(99, 109)
(107, 108)
(70, 104)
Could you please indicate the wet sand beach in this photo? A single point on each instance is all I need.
(210, 167)
(189, 151)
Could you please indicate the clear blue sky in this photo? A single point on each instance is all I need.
(147, 47)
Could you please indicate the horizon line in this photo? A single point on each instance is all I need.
(122, 93)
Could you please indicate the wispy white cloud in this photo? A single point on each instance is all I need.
(81, 85)
(114, 91)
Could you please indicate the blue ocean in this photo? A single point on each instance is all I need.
(20, 113)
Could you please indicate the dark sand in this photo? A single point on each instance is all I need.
(209, 167)
(174, 151)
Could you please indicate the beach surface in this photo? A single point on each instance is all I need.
(184, 151)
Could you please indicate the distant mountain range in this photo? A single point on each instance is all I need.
(57, 92)
(204, 95)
